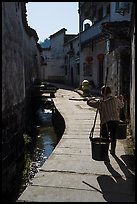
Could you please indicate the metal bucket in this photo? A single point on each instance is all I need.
(121, 132)
(99, 148)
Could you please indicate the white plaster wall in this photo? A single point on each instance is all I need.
(47, 71)
(112, 62)
(72, 62)
(75, 61)
(98, 47)
(57, 56)
(67, 63)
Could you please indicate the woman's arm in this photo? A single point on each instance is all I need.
(120, 100)
(93, 103)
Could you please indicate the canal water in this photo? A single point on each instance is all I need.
(50, 126)
(46, 139)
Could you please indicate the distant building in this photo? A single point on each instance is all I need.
(46, 43)
(105, 45)
(54, 66)
(96, 40)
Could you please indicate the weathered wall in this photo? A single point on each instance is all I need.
(19, 69)
(57, 57)
(71, 62)
(115, 15)
(132, 85)
(46, 65)
(92, 50)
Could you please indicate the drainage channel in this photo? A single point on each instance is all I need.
(46, 137)
(50, 126)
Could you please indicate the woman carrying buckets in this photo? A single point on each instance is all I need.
(109, 108)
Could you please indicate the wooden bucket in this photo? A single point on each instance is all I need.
(99, 148)
(121, 132)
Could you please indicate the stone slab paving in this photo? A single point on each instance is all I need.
(70, 174)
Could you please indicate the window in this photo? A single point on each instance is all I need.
(86, 24)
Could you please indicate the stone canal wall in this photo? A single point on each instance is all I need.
(20, 67)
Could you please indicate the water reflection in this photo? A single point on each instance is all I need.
(44, 117)
(45, 144)
(49, 125)
(46, 139)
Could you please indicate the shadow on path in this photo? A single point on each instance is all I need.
(129, 161)
(115, 188)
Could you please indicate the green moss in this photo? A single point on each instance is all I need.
(130, 141)
(27, 139)
(27, 160)
(26, 164)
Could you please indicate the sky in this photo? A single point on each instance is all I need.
(47, 18)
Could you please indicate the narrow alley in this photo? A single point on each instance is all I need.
(62, 67)
(70, 174)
